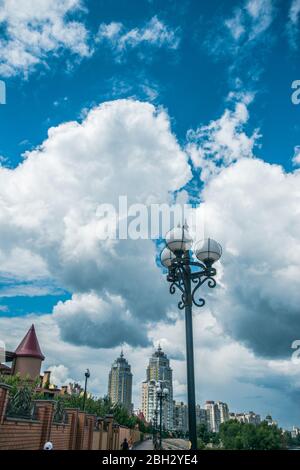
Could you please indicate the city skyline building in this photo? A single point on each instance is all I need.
(158, 371)
(120, 383)
(180, 416)
(201, 415)
(224, 411)
(270, 420)
(216, 414)
(27, 360)
(213, 416)
(248, 417)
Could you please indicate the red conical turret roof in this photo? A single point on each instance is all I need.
(29, 346)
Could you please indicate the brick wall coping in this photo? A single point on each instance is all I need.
(22, 420)
(72, 409)
(43, 401)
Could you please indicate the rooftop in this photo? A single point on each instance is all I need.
(29, 346)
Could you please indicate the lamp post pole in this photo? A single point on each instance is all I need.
(161, 394)
(187, 275)
(155, 423)
(190, 361)
(160, 419)
(87, 375)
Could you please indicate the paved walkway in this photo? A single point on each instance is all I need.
(170, 444)
(145, 445)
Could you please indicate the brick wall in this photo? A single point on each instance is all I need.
(20, 434)
(79, 432)
(60, 436)
(104, 441)
(4, 391)
(122, 432)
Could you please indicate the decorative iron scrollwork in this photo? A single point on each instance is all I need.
(59, 415)
(180, 275)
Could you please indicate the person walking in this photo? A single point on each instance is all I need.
(124, 445)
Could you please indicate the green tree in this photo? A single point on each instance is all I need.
(16, 382)
(203, 434)
(235, 435)
(93, 405)
(230, 435)
(200, 444)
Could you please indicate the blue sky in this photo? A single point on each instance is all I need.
(191, 82)
(220, 75)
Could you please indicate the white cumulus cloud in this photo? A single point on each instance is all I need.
(223, 141)
(253, 208)
(33, 29)
(88, 319)
(49, 213)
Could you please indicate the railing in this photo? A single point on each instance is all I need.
(60, 416)
(22, 406)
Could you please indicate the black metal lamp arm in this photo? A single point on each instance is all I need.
(180, 276)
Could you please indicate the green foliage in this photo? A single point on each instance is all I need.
(206, 437)
(102, 407)
(20, 404)
(203, 434)
(200, 444)
(97, 406)
(15, 382)
(241, 436)
(21, 395)
(122, 417)
(59, 411)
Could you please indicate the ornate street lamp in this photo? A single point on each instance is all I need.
(162, 395)
(87, 376)
(155, 425)
(187, 274)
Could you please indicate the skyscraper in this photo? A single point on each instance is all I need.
(201, 415)
(158, 370)
(217, 413)
(180, 417)
(213, 416)
(224, 411)
(120, 383)
(249, 417)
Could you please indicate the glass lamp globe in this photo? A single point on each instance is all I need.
(208, 251)
(166, 391)
(166, 257)
(179, 240)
